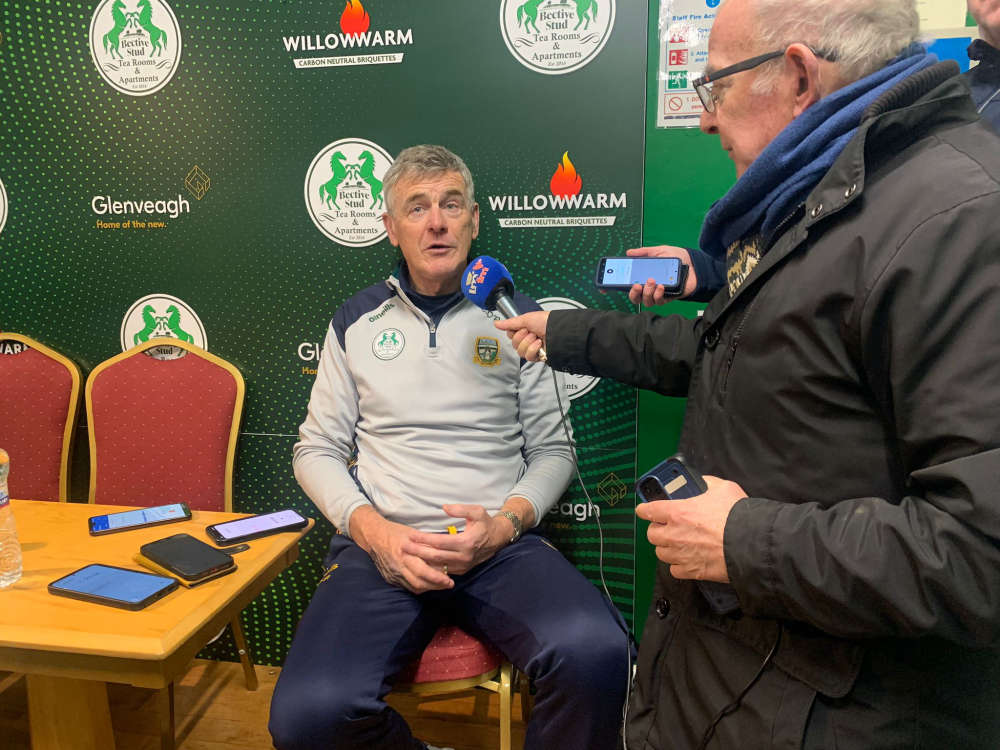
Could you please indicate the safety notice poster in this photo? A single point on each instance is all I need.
(684, 29)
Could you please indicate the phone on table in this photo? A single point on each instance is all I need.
(191, 560)
(621, 273)
(254, 527)
(109, 523)
(113, 586)
(674, 479)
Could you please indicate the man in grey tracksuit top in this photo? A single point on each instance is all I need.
(449, 428)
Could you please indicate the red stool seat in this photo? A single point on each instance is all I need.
(452, 654)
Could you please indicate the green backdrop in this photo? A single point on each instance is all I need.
(223, 135)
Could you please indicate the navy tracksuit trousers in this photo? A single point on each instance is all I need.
(359, 632)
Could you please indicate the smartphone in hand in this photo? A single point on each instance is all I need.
(620, 274)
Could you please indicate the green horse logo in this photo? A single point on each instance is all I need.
(111, 39)
(157, 36)
(155, 326)
(328, 190)
(388, 338)
(366, 171)
(527, 13)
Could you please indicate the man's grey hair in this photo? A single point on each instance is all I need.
(425, 161)
(860, 35)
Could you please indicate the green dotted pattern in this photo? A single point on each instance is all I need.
(262, 278)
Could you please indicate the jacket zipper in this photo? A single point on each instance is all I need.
(735, 344)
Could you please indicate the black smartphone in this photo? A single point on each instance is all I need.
(113, 586)
(674, 479)
(244, 529)
(182, 555)
(109, 523)
(621, 273)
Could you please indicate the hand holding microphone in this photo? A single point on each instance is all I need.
(488, 284)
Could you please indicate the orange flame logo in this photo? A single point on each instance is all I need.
(354, 19)
(565, 181)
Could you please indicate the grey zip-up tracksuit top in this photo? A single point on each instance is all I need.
(437, 414)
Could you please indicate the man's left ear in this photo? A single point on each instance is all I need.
(805, 68)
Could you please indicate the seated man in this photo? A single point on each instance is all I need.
(445, 436)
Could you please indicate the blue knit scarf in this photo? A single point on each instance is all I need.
(794, 162)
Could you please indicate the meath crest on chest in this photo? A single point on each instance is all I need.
(486, 351)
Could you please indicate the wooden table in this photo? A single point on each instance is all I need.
(69, 649)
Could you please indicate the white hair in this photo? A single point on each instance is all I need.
(425, 161)
(860, 35)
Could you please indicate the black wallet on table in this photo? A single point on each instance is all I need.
(190, 560)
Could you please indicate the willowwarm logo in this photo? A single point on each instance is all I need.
(563, 202)
(357, 40)
(556, 36)
(135, 44)
(343, 191)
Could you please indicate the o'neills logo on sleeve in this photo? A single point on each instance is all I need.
(136, 45)
(137, 213)
(562, 204)
(3, 206)
(344, 191)
(356, 43)
(556, 36)
(162, 316)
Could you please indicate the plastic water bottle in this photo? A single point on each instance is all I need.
(10, 548)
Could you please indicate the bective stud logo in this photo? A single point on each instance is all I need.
(565, 181)
(574, 386)
(354, 19)
(3, 206)
(197, 182)
(556, 36)
(388, 343)
(135, 44)
(162, 315)
(486, 352)
(343, 191)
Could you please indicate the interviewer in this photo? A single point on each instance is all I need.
(843, 393)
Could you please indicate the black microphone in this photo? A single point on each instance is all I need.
(486, 283)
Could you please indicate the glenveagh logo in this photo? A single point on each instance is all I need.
(162, 315)
(556, 36)
(136, 46)
(363, 45)
(106, 205)
(343, 191)
(574, 386)
(565, 194)
(3, 206)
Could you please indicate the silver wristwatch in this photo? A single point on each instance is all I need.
(515, 522)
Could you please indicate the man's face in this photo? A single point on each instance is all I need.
(987, 15)
(434, 225)
(744, 121)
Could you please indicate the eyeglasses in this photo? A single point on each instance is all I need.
(703, 85)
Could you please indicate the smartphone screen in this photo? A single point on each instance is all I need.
(256, 525)
(117, 584)
(129, 519)
(624, 272)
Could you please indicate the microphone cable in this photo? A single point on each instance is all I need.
(595, 512)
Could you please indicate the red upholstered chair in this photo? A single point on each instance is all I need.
(455, 661)
(164, 431)
(39, 399)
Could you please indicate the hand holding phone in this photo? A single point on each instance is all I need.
(254, 527)
(673, 479)
(109, 523)
(621, 274)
